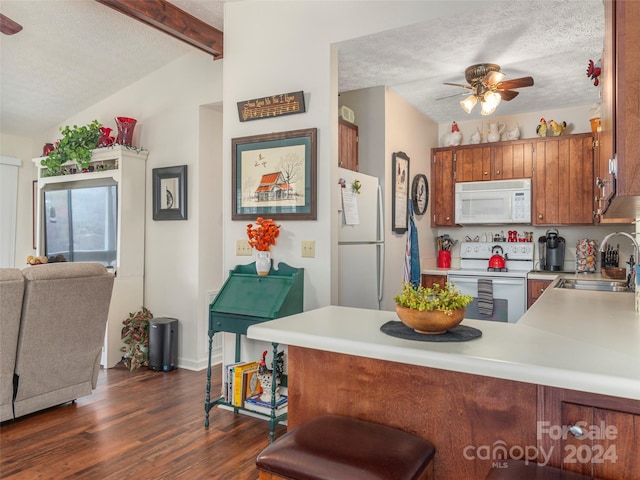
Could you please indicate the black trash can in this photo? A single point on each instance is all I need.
(163, 344)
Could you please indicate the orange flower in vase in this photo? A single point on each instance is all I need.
(261, 236)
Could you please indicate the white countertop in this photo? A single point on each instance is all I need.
(575, 339)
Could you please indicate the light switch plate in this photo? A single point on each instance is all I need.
(309, 248)
(242, 248)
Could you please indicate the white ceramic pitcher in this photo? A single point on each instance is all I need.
(495, 131)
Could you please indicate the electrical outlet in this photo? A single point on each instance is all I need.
(309, 248)
(242, 248)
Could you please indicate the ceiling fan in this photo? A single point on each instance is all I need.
(8, 26)
(489, 87)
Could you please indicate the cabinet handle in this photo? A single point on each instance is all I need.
(576, 431)
(541, 291)
(486, 173)
(497, 172)
(540, 216)
(447, 218)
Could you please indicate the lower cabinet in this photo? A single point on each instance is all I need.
(591, 434)
(535, 288)
(429, 280)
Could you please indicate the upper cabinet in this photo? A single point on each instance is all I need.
(498, 161)
(347, 145)
(473, 164)
(442, 188)
(562, 180)
(619, 180)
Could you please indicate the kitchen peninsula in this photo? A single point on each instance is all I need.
(574, 356)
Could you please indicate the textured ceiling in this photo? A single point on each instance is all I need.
(550, 40)
(73, 53)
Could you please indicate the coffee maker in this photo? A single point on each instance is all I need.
(551, 251)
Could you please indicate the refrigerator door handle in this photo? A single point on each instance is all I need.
(380, 216)
(380, 273)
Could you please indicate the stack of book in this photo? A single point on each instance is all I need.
(256, 405)
(240, 381)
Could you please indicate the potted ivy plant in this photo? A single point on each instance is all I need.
(75, 145)
(135, 333)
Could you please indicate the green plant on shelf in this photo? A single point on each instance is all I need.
(75, 145)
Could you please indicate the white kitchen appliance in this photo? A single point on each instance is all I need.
(493, 202)
(360, 241)
(508, 284)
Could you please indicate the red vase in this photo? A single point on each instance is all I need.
(47, 149)
(105, 137)
(125, 130)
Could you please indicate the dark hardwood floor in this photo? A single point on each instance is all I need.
(142, 425)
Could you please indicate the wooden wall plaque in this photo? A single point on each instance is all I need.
(272, 106)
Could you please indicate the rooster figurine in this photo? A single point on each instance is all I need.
(541, 129)
(454, 138)
(594, 70)
(475, 137)
(514, 133)
(557, 128)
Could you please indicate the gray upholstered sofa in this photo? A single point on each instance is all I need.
(52, 322)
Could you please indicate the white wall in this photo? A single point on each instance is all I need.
(182, 258)
(277, 47)
(22, 148)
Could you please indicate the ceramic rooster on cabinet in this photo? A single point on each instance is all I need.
(557, 128)
(541, 129)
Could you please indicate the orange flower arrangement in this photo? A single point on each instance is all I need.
(263, 234)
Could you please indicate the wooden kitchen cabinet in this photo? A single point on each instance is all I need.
(442, 188)
(428, 280)
(562, 180)
(347, 145)
(619, 146)
(608, 450)
(535, 288)
(512, 159)
(498, 161)
(472, 164)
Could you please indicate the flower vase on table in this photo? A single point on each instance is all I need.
(261, 236)
(263, 262)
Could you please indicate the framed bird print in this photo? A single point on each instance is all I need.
(400, 193)
(170, 193)
(274, 176)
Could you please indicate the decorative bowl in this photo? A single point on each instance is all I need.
(432, 322)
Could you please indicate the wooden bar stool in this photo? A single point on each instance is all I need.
(342, 448)
(518, 469)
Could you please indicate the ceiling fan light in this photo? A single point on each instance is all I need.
(468, 103)
(490, 103)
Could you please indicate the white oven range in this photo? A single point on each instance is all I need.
(509, 285)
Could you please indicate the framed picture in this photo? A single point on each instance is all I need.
(274, 176)
(170, 193)
(400, 193)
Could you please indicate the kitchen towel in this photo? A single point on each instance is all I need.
(485, 296)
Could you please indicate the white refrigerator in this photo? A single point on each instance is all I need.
(360, 242)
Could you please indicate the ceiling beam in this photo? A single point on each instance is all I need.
(173, 21)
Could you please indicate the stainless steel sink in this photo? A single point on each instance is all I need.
(596, 285)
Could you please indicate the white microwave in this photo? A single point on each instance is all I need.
(495, 202)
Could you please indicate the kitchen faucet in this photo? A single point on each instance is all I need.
(631, 279)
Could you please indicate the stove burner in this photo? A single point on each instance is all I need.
(492, 269)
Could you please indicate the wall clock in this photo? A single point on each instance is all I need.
(420, 194)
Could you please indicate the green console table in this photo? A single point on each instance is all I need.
(245, 299)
